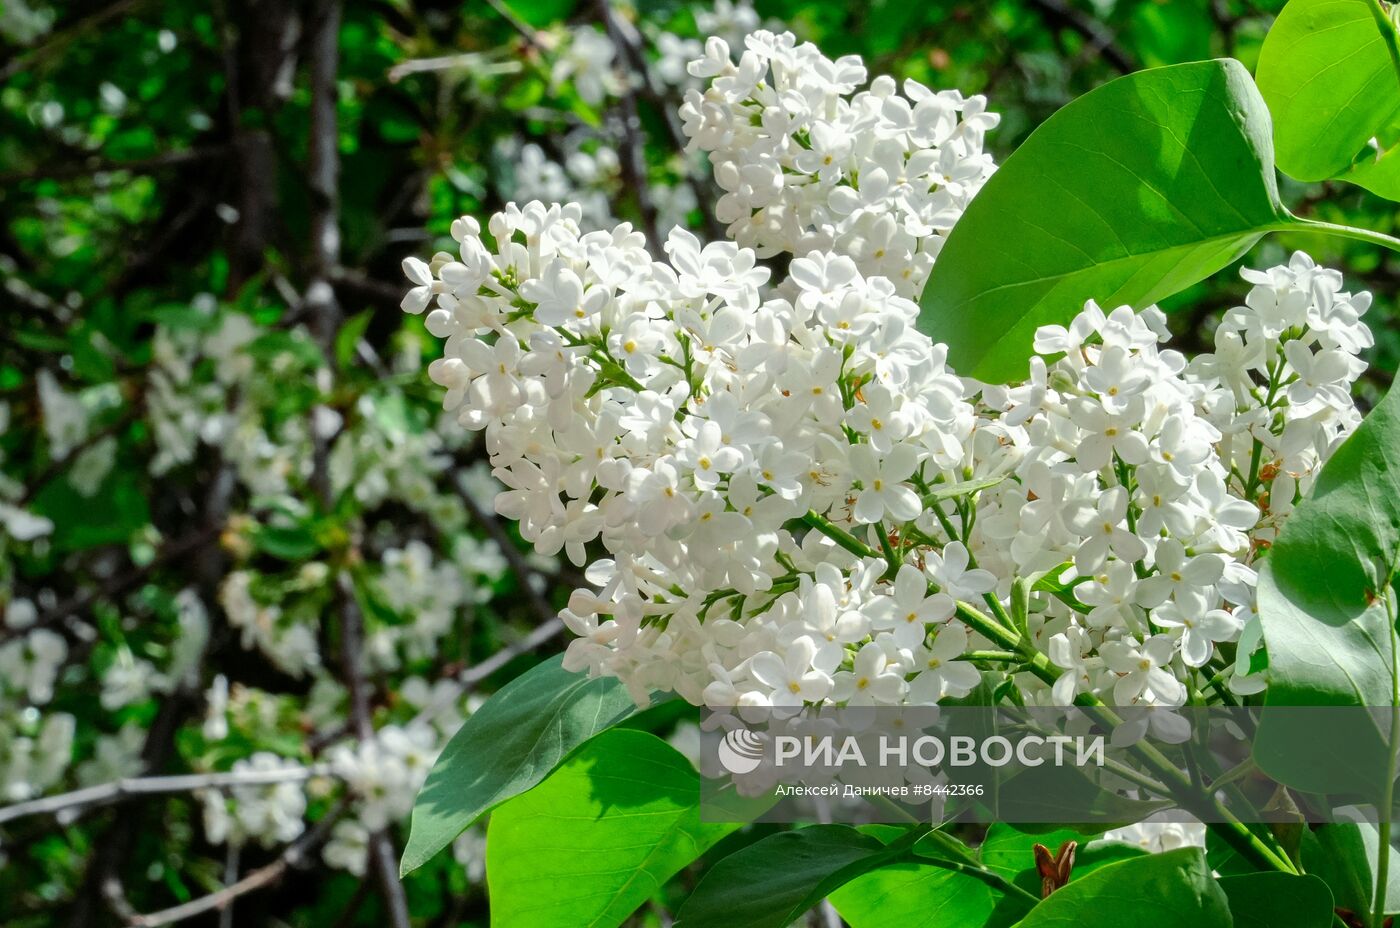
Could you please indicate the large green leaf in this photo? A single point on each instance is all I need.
(772, 882)
(1009, 851)
(1128, 194)
(915, 894)
(598, 837)
(1330, 74)
(1322, 603)
(510, 744)
(1267, 900)
(1154, 891)
(1344, 856)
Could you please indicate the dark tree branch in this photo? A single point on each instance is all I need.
(633, 154)
(323, 183)
(81, 602)
(323, 180)
(257, 60)
(61, 39)
(1059, 14)
(522, 570)
(628, 42)
(294, 855)
(94, 165)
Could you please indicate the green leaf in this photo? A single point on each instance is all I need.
(1129, 194)
(509, 745)
(287, 542)
(1154, 891)
(772, 882)
(1223, 858)
(945, 491)
(915, 894)
(1344, 855)
(598, 837)
(1009, 851)
(348, 338)
(1330, 74)
(1322, 593)
(111, 515)
(1267, 900)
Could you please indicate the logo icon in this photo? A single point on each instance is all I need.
(741, 751)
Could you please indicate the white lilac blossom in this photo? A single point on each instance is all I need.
(385, 772)
(729, 439)
(586, 62)
(1156, 837)
(584, 177)
(807, 163)
(269, 814)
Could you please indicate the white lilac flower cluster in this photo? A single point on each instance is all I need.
(582, 165)
(36, 746)
(219, 383)
(584, 177)
(799, 500)
(17, 522)
(809, 164)
(723, 19)
(269, 813)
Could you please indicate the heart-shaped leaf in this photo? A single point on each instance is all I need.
(1330, 72)
(918, 894)
(772, 882)
(510, 744)
(1129, 194)
(1154, 891)
(598, 837)
(1265, 900)
(1324, 591)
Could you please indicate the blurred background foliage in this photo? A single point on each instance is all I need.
(160, 175)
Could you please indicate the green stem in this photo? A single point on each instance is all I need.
(1388, 792)
(999, 657)
(1231, 830)
(839, 535)
(990, 599)
(968, 865)
(890, 557)
(1300, 224)
(1386, 28)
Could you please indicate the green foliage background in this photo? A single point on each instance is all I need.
(154, 151)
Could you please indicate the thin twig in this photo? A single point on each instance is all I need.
(116, 585)
(1100, 38)
(629, 42)
(531, 35)
(521, 568)
(59, 40)
(94, 166)
(382, 855)
(633, 155)
(58, 465)
(231, 857)
(292, 856)
(115, 894)
(478, 63)
(474, 674)
(469, 678)
(131, 787)
(466, 681)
